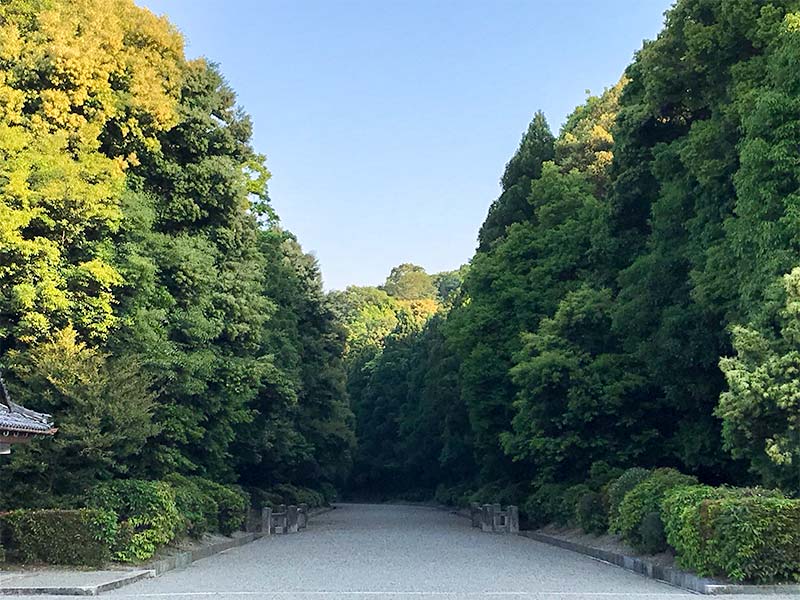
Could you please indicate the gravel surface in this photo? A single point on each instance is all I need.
(380, 552)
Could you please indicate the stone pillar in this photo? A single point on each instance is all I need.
(280, 521)
(487, 518)
(266, 520)
(291, 519)
(513, 519)
(302, 520)
(497, 516)
(475, 514)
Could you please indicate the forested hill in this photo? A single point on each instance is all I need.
(149, 298)
(633, 300)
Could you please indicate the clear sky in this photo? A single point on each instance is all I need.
(387, 123)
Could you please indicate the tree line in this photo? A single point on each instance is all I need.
(149, 297)
(633, 299)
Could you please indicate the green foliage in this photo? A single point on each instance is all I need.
(652, 539)
(409, 282)
(644, 499)
(568, 515)
(148, 298)
(591, 513)
(59, 537)
(290, 494)
(754, 538)
(147, 514)
(618, 488)
(760, 410)
(546, 505)
(197, 508)
(685, 511)
(231, 502)
(103, 407)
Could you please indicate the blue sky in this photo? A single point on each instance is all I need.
(387, 123)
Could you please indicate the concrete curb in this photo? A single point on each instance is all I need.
(670, 575)
(149, 570)
(126, 578)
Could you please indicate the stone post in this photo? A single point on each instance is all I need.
(280, 522)
(475, 514)
(513, 519)
(302, 519)
(487, 518)
(266, 520)
(497, 516)
(291, 519)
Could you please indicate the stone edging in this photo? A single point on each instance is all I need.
(125, 578)
(670, 575)
(149, 570)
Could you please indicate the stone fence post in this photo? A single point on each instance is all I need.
(266, 520)
(487, 518)
(512, 521)
(291, 519)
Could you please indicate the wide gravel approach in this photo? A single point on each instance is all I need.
(380, 552)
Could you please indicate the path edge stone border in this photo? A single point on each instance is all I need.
(151, 569)
(669, 575)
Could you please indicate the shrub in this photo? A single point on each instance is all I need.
(292, 494)
(692, 530)
(681, 513)
(197, 508)
(232, 504)
(60, 537)
(567, 515)
(601, 474)
(592, 513)
(645, 498)
(651, 534)
(147, 514)
(755, 539)
(545, 505)
(329, 492)
(260, 498)
(621, 486)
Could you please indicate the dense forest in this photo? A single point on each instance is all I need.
(630, 317)
(149, 298)
(633, 299)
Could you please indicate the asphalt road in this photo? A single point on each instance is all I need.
(378, 552)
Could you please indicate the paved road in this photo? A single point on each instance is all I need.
(377, 552)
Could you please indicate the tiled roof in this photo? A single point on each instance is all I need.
(19, 420)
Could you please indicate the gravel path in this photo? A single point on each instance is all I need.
(379, 552)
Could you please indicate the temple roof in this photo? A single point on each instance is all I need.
(20, 420)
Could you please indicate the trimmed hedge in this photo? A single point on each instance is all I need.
(743, 533)
(81, 537)
(754, 539)
(148, 516)
(643, 499)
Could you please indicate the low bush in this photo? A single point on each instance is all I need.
(651, 534)
(292, 494)
(81, 537)
(601, 474)
(567, 515)
(620, 486)
(591, 513)
(260, 498)
(329, 492)
(645, 498)
(232, 503)
(545, 505)
(681, 511)
(147, 514)
(754, 538)
(686, 512)
(198, 509)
